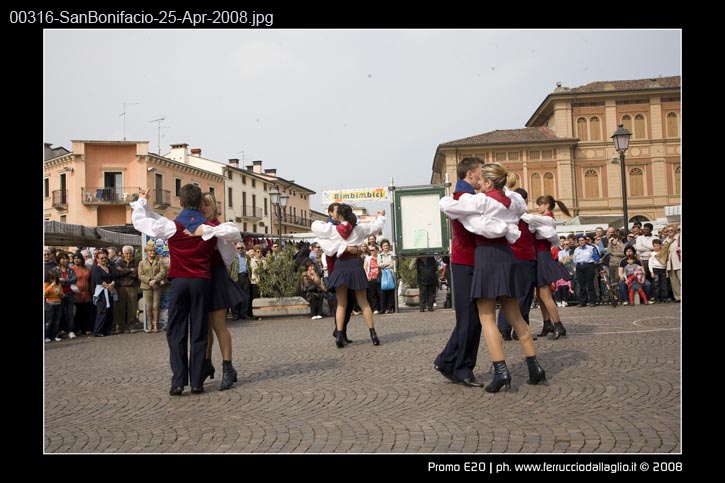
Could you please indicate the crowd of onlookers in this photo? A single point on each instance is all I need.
(641, 263)
(95, 293)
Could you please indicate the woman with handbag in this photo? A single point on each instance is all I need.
(348, 268)
(387, 278)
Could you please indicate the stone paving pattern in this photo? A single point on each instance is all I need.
(614, 387)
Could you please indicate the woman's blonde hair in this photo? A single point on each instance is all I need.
(497, 174)
(209, 198)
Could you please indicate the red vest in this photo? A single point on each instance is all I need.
(523, 248)
(190, 255)
(463, 246)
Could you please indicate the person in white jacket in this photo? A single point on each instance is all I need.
(493, 216)
(347, 271)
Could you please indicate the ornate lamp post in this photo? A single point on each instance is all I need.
(621, 143)
(279, 201)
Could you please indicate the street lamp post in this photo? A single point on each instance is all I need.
(279, 201)
(621, 143)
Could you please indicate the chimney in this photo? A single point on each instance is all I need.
(196, 152)
(234, 162)
(178, 152)
(271, 172)
(257, 166)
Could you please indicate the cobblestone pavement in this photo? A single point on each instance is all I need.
(614, 387)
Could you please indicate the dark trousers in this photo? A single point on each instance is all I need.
(585, 277)
(84, 322)
(53, 314)
(661, 285)
(524, 302)
(104, 315)
(253, 294)
(387, 300)
(427, 295)
(67, 321)
(188, 314)
(244, 307)
(460, 353)
(373, 299)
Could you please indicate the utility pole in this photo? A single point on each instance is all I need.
(124, 116)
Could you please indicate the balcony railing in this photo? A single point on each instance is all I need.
(252, 212)
(60, 199)
(161, 198)
(294, 220)
(108, 196)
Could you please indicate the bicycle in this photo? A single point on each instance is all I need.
(612, 290)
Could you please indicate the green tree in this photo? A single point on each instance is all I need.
(279, 278)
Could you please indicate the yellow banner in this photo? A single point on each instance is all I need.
(354, 195)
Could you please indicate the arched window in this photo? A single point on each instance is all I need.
(640, 130)
(591, 184)
(595, 129)
(673, 125)
(581, 129)
(535, 187)
(627, 122)
(636, 182)
(518, 181)
(678, 180)
(549, 184)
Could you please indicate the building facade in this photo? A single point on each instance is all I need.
(94, 183)
(565, 149)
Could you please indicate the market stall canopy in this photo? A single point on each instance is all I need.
(63, 234)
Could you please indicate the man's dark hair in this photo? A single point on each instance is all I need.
(648, 225)
(466, 165)
(332, 206)
(190, 196)
(523, 193)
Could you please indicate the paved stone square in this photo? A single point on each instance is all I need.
(614, 386)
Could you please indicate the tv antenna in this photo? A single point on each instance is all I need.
(159, 131)
(124, 116)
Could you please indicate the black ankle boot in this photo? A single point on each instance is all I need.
(229, 375)
(207, 371)
(559, 330)
(548, 327)
(374, 337)
(344, 336)
(340, 340)
(501, 377)
(536, 372)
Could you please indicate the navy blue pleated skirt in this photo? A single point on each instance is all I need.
(549, 270)
(349, 272)
(497, 274)
(224, 292)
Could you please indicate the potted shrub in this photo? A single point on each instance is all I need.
(279, 288)
(410, 281)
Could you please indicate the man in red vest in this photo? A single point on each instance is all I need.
(189, 273)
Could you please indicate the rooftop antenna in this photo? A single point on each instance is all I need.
(242, 153)
(124, 116)
(159, 131)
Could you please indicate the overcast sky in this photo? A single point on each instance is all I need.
(327, 108)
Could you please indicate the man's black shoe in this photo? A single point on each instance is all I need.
(176, 391)
(506, 335)
(471, 382)
(197, 390)
(447, 375)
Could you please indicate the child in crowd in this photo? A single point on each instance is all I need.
(635, 280)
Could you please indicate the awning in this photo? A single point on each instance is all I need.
(63, 234)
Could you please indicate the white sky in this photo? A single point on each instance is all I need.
(327, 108)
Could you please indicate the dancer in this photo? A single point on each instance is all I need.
(548, 270)
(458, 358)
(348, 270)
(494, 216)
(225, 294)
